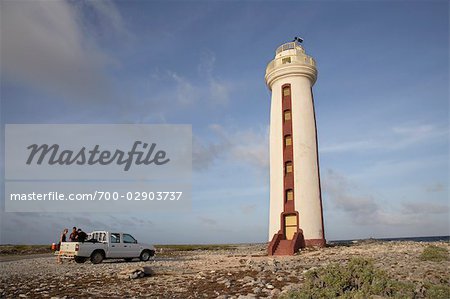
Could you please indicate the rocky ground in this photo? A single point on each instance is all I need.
(243, 271)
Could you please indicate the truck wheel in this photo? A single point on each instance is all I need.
(145, 255)
(96, 257)
(80, 259)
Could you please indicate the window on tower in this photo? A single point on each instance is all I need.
(289, 194)
(287, 140)
(287, 115)
(286, 60)
(288, 167)
(286, 91)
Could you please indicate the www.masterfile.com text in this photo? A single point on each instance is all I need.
(99, 196)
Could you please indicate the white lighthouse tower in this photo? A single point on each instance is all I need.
(296, 218)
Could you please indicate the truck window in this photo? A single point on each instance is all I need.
(115, 238)
(128, 239)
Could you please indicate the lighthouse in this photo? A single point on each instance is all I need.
(296, 217)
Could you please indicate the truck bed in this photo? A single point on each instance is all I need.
(84, 248)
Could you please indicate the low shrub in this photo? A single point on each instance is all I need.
(438, 291)
(359, 278)
(434, 254)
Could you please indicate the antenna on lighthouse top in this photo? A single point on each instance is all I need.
(298, 39)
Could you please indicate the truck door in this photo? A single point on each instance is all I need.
(131, 247)
(115, 248)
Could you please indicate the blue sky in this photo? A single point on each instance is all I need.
(382, 105)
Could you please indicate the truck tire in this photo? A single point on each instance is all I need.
(145, 255)
(80, 259)
(97, 257)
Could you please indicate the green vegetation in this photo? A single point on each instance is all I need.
(438, 291)
(24, 249)
(194, 247)
(434, 254)
(358, 279)
(176, 250)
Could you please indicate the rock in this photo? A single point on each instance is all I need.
(135, 272)
(223, 280)
(269, 286)
(148, 271)
(290, 287)
(248, 279)
(256, 290)
(275, 293)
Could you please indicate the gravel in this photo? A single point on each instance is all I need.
(244, 272)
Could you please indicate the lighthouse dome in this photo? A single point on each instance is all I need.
(291, 59)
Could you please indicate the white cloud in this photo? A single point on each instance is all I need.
(395, 138)
(345, 196)
(46, 45)
(204, 90)
(28, 228)
(249, 208)
(108, 17)
(398, 168)
(207, 220)
(249, 146)
(185, 92)
(204, 154)
(218, 89)
(362, 208)
(425, 208)
(438, 187)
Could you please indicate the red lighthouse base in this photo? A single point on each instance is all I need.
(280, 246)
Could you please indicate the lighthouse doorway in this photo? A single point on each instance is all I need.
(290, 226)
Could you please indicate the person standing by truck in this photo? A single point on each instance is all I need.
(62, 238)
(81, 236)
(73, 235)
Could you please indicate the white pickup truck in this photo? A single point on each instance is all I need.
(101, 245)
